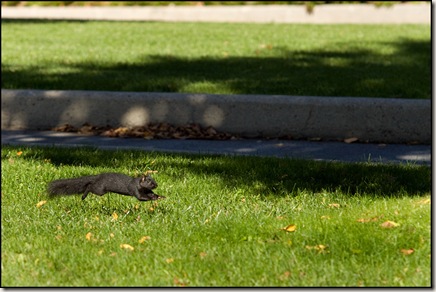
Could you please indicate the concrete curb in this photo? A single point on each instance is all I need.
(369, 119)
(322, 14)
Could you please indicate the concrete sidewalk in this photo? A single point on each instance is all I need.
(323, 151)
(322, 14)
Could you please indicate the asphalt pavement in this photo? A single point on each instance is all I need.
(313, 150)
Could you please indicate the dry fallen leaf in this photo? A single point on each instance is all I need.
(425, 202)
(88, 235)
(144, 238)
(407, 251)
(290, 228)
(319, 247)
(115, 216)
(19, 153)
(40, 203)
(285, 275)
(179, 282)
(365, 220)
(150, 172)
(334, 205)
(169, 260)
(351, 140)
(389, 224)
(126, 246)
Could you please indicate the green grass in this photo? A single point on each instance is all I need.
(221, 58)
(221, 224)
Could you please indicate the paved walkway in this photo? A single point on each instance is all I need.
(322, 14)
(325, 151)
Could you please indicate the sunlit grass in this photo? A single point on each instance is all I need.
(221, 224)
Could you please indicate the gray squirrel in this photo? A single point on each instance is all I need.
(139, 187)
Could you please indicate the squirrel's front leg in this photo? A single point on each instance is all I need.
(148, 195)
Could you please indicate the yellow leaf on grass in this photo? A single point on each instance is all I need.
(365, 220)
(144, 238)
(334, 205)
(150, 171)
(114, 215)
(180, 282)
(389, 224)
(40, 203)
(285, 276)
(424, 202)
(319, 247)
(88, 235)
(169, 260)
(19, 153)
(407, 251)
(290, 228)
(351, 140)
(126, 246)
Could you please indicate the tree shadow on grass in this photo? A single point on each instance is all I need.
(277, 177)
(263, 176)
(406, 73)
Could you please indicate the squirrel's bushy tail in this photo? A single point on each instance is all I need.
(69, 186)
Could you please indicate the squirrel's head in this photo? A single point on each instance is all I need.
(148, 182)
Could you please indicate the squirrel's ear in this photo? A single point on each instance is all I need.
(143, 178)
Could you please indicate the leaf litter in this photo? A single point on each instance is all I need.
(169, 131)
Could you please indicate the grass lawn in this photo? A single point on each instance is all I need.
(221, 224)
(223, 58)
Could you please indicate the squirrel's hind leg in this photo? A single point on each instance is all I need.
(85, 194)
(93, 189)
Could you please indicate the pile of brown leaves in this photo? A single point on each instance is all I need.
(151, 131)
